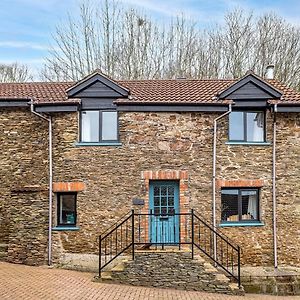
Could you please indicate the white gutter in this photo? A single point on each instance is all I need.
(274, 189)
(214, 175)
(50, 180)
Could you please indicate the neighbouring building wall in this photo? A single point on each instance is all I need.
(178, 142)
(24, 185)
(288, 187)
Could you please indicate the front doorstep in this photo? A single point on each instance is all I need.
(170, 269)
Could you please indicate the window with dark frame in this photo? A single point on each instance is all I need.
(239, 205)
(98, 126)
(66, 209)
(247, 126)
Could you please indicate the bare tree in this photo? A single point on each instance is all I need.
(14, 72)
(127, 44)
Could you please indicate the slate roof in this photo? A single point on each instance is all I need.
(184, 91)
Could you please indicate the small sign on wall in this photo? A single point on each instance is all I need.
(137, 201)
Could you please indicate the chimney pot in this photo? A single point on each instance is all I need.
(270, 72)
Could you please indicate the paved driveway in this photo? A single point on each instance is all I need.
(24, 282)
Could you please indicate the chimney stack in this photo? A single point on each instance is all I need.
(270, 72)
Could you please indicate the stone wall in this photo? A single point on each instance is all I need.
(27, 242)
(166, 142)
(113, 175)
(176, 142)
(23, 168)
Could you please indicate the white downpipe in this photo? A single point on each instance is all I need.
(274, 189)
(50, 181)
(214, 175)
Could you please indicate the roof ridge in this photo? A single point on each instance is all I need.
(38, 82)
(180, 80)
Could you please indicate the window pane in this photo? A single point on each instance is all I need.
(67, 210)
(236, 126)
(255, 126)
(90, 126)
(229, 205)
(109, 125)
(249, 205)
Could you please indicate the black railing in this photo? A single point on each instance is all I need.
(145, 230)
(116, 240)
(217, 246)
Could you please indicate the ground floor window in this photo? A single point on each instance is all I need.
(66, 209)
(239, 205)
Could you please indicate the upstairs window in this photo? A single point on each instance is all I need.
(99, 126)
(245, 126)
(239, 205)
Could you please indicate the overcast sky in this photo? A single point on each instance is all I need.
(26, 25)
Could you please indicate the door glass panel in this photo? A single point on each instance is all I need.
(156, 191)
(164, 201)
(163, 191)
(171, 201)
(171, 191)
(164, 210)
(171, 210)
(156, 211)
(156, 201)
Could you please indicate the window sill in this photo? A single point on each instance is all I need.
(84, 144)
(65, 228)
(249, 143)
(241, 224)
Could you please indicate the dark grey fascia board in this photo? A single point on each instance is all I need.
(250, 78)
(85, 84)
(288, 108)
(56, 108)
(250, 103)
(98, 103)
(172, 108)
(14, 103)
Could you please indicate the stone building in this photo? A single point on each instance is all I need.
(77, 157)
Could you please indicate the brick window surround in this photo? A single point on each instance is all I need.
(181, 176)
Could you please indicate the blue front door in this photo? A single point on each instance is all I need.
(164, 205)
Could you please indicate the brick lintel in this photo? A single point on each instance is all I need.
(240, 183)
(68, 187)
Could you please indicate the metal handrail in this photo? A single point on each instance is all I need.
(116, 223)
(226, 239)
(237, 250)
(113, 251)
(112, 244)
